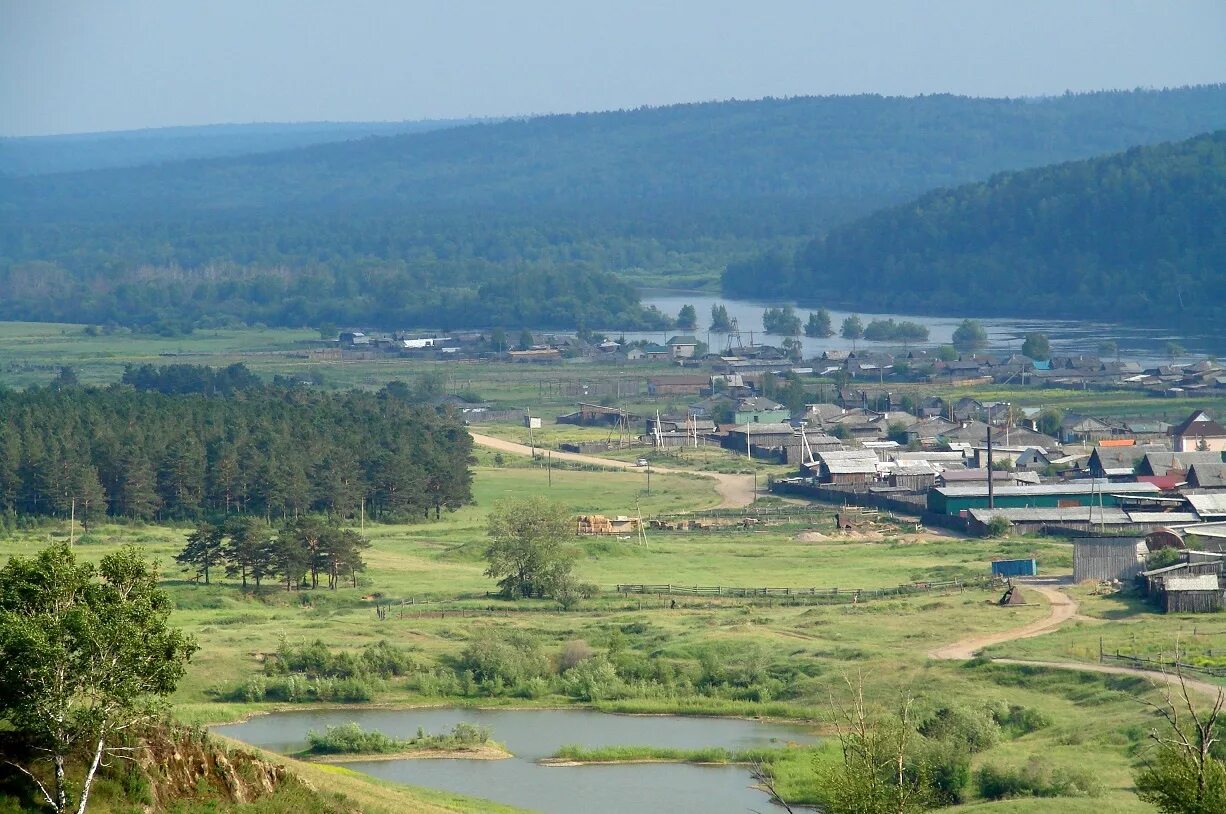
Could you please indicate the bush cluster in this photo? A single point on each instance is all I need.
(312, 672)
(1038, 778)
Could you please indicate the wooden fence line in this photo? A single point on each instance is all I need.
(834, 594)
(1160, 665)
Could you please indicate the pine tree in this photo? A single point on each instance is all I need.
(204, 550)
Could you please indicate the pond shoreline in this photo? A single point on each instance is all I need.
(489, 751)
(276, 709)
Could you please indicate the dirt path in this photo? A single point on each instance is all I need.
(735, 491)
(1062, 609)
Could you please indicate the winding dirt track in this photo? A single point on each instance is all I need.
(1063, 608)
(735, 491)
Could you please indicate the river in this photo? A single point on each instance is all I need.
(666, 788)
(1068, 337)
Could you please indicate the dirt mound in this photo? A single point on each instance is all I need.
(811, 537)
(179, 763)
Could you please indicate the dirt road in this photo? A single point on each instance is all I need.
(1063, 608)
(735, 491)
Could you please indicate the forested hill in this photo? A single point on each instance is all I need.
(1137, 235)
(522, 223)
(39, 155)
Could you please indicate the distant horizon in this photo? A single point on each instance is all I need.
(481, 118)
(72, 67)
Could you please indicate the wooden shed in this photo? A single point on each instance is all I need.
(1104, 559)
(1193, 594)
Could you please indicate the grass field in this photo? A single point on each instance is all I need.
(1094, 721)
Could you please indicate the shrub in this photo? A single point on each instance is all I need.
(999, 526)
(1038, 778)
(974, 729)
(512, 657)
(351, 739)
(593, 679)
(1017, 720)
(572, 653)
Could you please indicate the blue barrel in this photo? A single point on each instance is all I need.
(1015, 568)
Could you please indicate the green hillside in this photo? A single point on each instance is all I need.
(1140, 235)
(525, 221)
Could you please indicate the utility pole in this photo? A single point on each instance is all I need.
(72, 522)
(991, 488)
(549, 466)
(363, 517)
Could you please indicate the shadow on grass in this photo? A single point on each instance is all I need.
(1125, 605)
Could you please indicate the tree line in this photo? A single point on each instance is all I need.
(491, 224)
(298, 553)
(114, 451)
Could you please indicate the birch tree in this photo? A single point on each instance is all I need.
(85, 652)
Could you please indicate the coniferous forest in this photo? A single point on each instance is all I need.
(540, 222)
(1136, 235)
(273, 452)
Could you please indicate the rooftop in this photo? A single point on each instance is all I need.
(1079, 488)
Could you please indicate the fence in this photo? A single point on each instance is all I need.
(1160, 665)
(831, 595)
(910, 505)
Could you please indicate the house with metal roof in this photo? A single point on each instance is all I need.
(1198, 432)
(1165, 462)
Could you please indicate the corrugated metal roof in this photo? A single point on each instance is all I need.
(848, 455)
(853, 467)
(1162, 517)
(1073, 514)
(1213, 505)
(1085, 488)
(1200, 582)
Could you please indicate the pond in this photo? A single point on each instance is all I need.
(1136, 342)
(534, 734)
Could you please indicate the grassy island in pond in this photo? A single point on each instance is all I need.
(349, 742)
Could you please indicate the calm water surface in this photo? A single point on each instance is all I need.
(534, 734)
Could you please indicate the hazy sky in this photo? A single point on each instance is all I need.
(83, 65)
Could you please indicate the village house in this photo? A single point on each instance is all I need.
(678, 385)
(1120, 462)
(845, 467)
(1079, 429)
(682, 347)
(1159, 461)
(1207, 476)
(760, 410)
(1198, 432)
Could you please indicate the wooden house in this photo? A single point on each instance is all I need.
(1207, 476)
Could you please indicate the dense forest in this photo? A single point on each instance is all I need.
(1137, 235)
(535, 222)
(270, 452)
